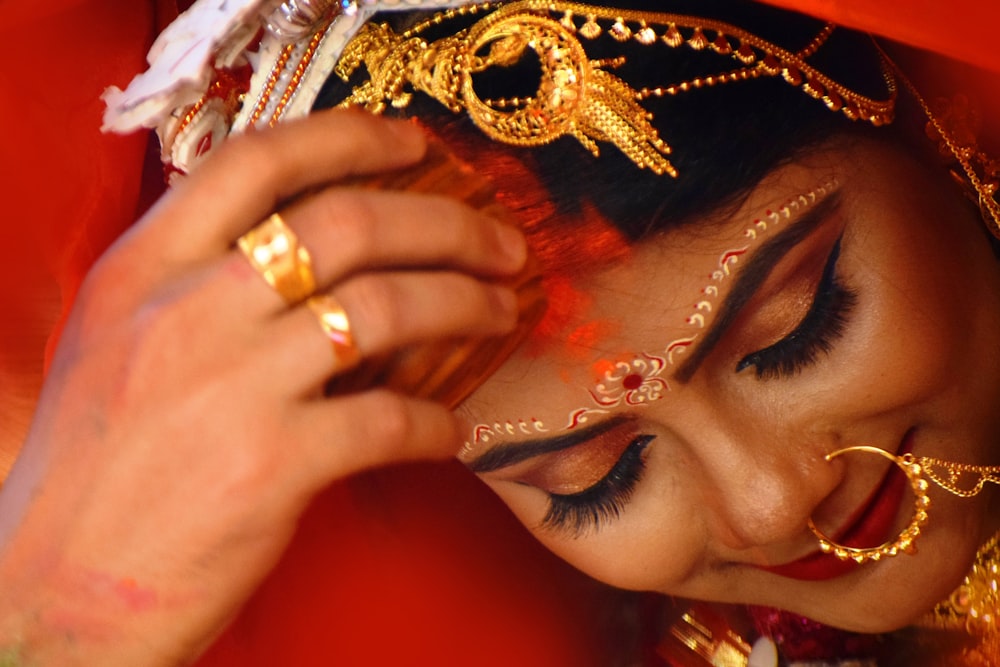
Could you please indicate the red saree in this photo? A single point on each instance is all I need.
(416, 565)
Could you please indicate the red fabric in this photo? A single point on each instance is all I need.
(420, 566)
(962, 29)
(69, 190)
(414, 566)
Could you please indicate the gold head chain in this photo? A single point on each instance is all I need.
(576, 96)
(954, 125)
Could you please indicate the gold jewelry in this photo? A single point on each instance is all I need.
(953, 479)
(973, 608)
(904, 541)
(576, 96)
(273, 250)
(703, 636)
(975, 605)
(333, 320)
(954, 125)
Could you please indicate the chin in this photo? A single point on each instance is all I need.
(868, 620)
(892, 594)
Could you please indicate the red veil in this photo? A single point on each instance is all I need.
(388, 568)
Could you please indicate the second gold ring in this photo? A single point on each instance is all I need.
(333, 320)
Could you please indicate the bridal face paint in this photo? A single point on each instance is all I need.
(638, 381)
(691, 467)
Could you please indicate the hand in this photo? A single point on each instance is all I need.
(182, 428)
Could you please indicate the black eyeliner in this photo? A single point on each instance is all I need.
(604, 500)
(814, 335)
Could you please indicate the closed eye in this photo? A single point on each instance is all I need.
(816, 333)
(577, 513)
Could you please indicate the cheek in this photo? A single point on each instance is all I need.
(923, 323)
(657, 543)
(912, 342)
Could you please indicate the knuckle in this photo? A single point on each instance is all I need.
(245, 148)
(104, 301)
(468, 292)
(486, 310)
(472, 231)
(375, 308)
(256, 154)
(355, 226)
(462, 230)
(395, 422)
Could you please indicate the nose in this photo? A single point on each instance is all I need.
(760, 490)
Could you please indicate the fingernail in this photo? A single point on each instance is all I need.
(513, 245)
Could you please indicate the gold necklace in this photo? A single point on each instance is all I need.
(975, 605)
(974, 608)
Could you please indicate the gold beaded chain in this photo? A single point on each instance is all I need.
(918, 471)
(950, 481)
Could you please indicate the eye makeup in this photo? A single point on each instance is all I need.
(646, 377)
(815, 333)
(590, 471)
(603, 501)
(587, 483)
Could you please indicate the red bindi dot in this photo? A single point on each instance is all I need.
(633, 381)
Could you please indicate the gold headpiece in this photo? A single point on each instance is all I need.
(953, 124)
(576, 96)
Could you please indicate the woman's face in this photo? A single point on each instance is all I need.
(671, 434)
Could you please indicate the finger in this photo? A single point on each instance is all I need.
(386, 311)
(346, 434)
(351, 230)
(348, 229)
(247, 178)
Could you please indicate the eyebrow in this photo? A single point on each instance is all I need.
(749, 280)
(505, 455)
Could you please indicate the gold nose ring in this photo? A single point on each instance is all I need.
(959, 479)
(903, 543)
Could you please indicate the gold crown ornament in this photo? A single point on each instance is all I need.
(225, 66)
(954, 124)
(259, 61)
(576, 96)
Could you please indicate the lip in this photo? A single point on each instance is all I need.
(868, 525)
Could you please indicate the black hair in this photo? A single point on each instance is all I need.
(724, 138)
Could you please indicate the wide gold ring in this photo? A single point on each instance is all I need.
(333, 320)
(903, 543)
(274, 251)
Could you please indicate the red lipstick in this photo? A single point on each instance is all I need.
(869, 525)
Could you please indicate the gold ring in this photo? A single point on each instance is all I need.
(333, 320)
(903, 543)
(275, 253)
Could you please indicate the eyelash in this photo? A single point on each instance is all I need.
(589, 509)
(815, 334)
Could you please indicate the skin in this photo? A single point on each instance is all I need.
(221, 407)
(735, 465)
(185, 386)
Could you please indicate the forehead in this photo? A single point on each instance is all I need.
(632, 323)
